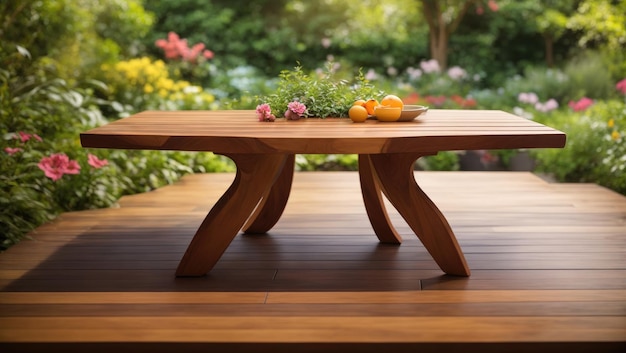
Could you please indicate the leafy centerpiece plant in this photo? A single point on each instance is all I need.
(319, 95)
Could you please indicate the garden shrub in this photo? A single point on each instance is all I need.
(596, 147)
(588, 76)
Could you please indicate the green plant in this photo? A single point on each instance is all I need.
(447, 160)
(323, 95)
(334, 162)
(142, 84)
(595, 150)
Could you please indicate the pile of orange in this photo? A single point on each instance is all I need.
(361, 108)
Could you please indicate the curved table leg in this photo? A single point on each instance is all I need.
(374, 203)
(395, 173)
(256, 173)
(272, 205)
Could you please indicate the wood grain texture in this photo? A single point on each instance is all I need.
(374, 202)
(240, 132)
(548, 273)
(272, 205)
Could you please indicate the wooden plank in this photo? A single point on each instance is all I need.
(310, 329)
(548, 274)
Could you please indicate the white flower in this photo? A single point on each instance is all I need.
(530, 98)
(430, 66)
(456, 73)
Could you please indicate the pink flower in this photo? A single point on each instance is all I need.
(480, 10)
(58, 164)
(264, 112)
(550, 105)
(25, 137)
(96, 162)
(12, 150)
(430, 66)
(530, 98)
(297, 108)
(456, 73)
(176, 48)
(493, 6)
(621, 86)
(581, 105)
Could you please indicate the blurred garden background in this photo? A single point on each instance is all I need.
(70, 65)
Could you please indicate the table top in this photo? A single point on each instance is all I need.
(239, 131)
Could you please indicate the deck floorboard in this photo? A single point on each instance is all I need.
(548, 274)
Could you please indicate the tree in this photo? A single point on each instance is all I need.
(443, 18)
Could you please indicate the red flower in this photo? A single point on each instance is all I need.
(57, 165)
(96, 162)
(436, 100)
(412, 98)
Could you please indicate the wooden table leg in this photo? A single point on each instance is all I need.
(395, 174)
(256, 173)
(272, 205)
(374, 203)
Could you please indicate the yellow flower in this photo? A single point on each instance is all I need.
(615, 135)
(148, 88)
(611, 123)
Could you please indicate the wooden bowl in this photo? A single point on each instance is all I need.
(410, 112)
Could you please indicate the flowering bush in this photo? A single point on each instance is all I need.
(429, 79)
(596, 147)
(189, 63)
(142, 84)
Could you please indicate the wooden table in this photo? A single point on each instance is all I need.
(264, 155)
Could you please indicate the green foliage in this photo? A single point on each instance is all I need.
(142, 84)
(328, 162)
(595, 149)
(588, 76)
(600, 22)
(545, 82)
(323, 95)
(446, 160)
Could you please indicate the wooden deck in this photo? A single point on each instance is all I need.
(548, 274)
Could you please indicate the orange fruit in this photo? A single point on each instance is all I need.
(391, 100)
(370, 105)
(357, 113)
(360, 102)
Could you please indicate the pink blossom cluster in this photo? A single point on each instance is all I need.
(264, 112)
(548, 106)
(23, 137)
(57, 165)
(528, 97)
(430, 66)
(581, 105)
(96, 162)
(414, 74)
(493, 6)
(295, 110)
(176, 48)
(12, 150)
(621, 86)
(457, 73)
